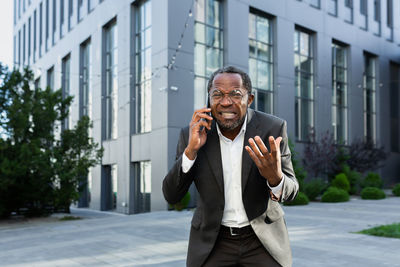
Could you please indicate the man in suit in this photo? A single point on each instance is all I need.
(239, 160)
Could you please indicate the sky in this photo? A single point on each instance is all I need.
(6, 32)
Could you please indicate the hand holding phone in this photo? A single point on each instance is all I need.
(199, 125)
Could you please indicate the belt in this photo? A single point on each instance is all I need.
(234, 231)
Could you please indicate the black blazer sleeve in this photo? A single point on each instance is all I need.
(176, 183)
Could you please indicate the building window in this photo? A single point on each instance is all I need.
(377, 10)
(47, 25)
(80, 10)
(85, 81)
(54, 23)
(369, 85)
(50, 78)
(304, 84)
(333, 7)
(110, 91)
(208, 46)
(364, 13)
(15, 12)
(70, 13)
(23, 44)
(142, 181)
(143, 68)
(40, 28)
(61, 18)
(261, 61)
(29, 40)
(37, 83)
(90, 6)
(19, 9)
(376, 24)
(15, 50)
(389, 12)
(65, 87)
(315, 3)
(19, 47)
(34, 35)
(348, 11)
(110, 186)
(339, 93)
(394, 107)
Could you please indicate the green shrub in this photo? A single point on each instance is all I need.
(372, 180)
(372, 193)
(314, 188)
(354, 178)
(334, 194)
(396, 190)
(341, 182)
(183, 203)
(301, 199)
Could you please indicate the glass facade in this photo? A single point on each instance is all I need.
(333, 7)
(110, 92)
(369, 85)
(85, 73)
(208, 46)
(304, 85)
(50, 78)
(348, 11)
(65, 86)
(261, 63)
(142, 176)
(339, 93)
(143, 68)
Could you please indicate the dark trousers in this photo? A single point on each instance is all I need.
(239, 250)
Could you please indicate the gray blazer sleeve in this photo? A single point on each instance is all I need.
(290, 186)
(176, 183)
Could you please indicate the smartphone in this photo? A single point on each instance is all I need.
(208, 113)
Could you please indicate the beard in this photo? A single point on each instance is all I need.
(229, 125)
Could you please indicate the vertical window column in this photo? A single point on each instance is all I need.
(364, 14)
(142, 183)
(339, 93)
(34, 35)
(40, 29)
(304, 85)
(47, 26)
(369, 89)
(110, 91)
(208, 46)
(376, 24)
(23, 44)
(50, 78)
(333, 7)
(62, 13)
(54, 20)
(143, 68)
(85, 80)
(29, 40)
(70, 13)
(261, 61)
(348, 11)
(65, 87)
(388, 30)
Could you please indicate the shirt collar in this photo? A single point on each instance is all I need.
(242, 130)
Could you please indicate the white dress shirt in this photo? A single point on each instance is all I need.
(231, 155)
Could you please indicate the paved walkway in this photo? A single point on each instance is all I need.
(320, 235)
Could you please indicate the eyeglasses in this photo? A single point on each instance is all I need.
(235, 96)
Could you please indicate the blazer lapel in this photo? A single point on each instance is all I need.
(251, 131)
(213, 151)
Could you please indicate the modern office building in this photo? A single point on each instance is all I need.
(139, 69)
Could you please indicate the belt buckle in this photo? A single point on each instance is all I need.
(232, 233)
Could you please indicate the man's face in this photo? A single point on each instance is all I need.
(229, 112)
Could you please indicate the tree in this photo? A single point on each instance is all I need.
(40, 168)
